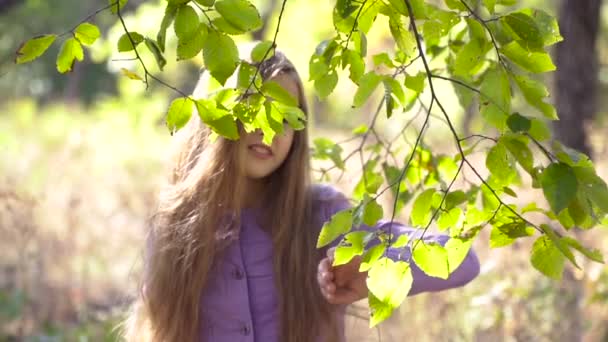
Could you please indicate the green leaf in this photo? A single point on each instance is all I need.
(87, 33)
(179, 113)
(156, 51)
(379, 311)
(275, 91)
(372, 212)
(225, 126)
(421, 211)
(525, 28)
(116, 5)
(124, 43)
(340, 223)
(546, 24)
(415, 83)
(539, 130)
(170, 12)
(591, 254)
(399, 6)
(593, 187)
(516, 229)
(326, 84)
(499, 238)
(404, 38)
(360, 130)
(500, 164)
(224, 26)
(353, 246)
(240, 13)
(370, 181)
(439, 24)
(262, 51)
(457, 250)
(208, 110)
(220, 55)
(447, 168)
(449, 218)
(371, 256)
(389, 282)
(546, 258)
(34, 48)
(327, 149)
(495, 101)
(367, 84)
(317, 68)
(186, 22)
(490, 5)
(456, 4)
(345, 12)
(401, 241)
(71, 50)
(455, 198)
(518, 123)
(534, 92)
(469, 58)
(190, 46)
(559, 185)
(521, 152)
(206, 3)
(356, 64)
(394, 89)
(533, 61)
(383, 58)
(294, 115)
(432, 259)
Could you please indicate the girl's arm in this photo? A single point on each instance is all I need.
(334, 201)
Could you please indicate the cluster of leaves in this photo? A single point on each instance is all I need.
(484, 59)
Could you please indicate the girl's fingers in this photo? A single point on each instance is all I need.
(325, 265)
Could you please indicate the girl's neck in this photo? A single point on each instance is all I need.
(255, 192)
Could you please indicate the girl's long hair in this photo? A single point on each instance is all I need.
(189, 229)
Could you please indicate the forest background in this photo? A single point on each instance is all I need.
(82, 158)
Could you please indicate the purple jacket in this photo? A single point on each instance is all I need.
(240, 302)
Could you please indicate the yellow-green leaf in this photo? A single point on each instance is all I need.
(130, 74)
(240, 13)
(34, 48)
(432, 259)
(179, 113)
(389, 282)
(339, 224)
(127, 44)
(220, 55)
(186, 22)
(71, 50)
(87, 33)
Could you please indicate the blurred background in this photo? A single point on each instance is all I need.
(82, 157)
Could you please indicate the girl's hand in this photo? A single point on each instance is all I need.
(342, 284)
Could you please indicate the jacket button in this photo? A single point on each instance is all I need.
(238, 273)
(245, 329)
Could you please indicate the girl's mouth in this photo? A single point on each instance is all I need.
(260, 151)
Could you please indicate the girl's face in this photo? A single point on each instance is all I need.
(262, 160)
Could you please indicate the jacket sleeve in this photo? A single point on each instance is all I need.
(334, 201)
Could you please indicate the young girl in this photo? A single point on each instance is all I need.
(232, 257)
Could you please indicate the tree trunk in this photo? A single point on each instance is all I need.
(576, 76)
